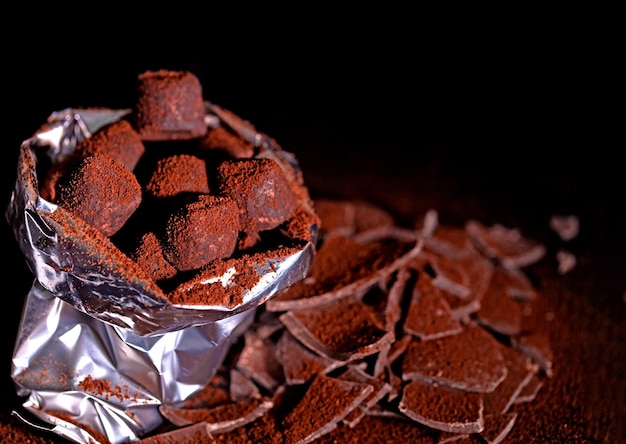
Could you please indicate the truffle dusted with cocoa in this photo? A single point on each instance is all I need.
(201, 230)
(223, 140)
(119, 140)
(169, 106)
(100, 190)
(262, 192)
(149, 255)
(182, 173)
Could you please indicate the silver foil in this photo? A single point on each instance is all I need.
(84, 324)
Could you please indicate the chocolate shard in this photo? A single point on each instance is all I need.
(471, 361)
(448, 241)
(479, 270)
(220, 418)
(194, 433)
(529, 392)
(506, 245)
(343, 267)
(537, 346)
(447, 274)
(348, 217)
(395, 295)
(344, 331)
(497, 311)
(429, 316)
(497, 426)
(565, 226)
(322, 416)
(520, 371)
(299, 363)
(443, 408)
(257, 360)
(380, 390)
(386, 428)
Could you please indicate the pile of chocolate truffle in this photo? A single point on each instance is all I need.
(433, 334)
(175, 188)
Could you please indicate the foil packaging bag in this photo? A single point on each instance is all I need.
(98, 351)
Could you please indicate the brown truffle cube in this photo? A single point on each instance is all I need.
(169, 106)
(177, 174)
(100, 190)
(262, 192)
(223, 140)
(119, 140)
(200, 231)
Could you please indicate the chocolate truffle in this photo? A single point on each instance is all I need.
(262, 192)
(223, 140)
(119, 140)
(149, 255)
(100, 190)
(200, 231)
(169, 106)
(177, 174)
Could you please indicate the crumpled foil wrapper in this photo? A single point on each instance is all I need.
(97, 352)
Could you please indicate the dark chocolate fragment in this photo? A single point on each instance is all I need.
(343, 331)
(299, 363)
(506, 245)
(258, 361)
(497, 426)
(470, 361)
(429, 316)
(498, 311)
(443, 408)
(374, 429)
(313, 416)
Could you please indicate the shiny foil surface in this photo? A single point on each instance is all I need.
(96, 352)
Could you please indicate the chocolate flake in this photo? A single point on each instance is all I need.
(429, 315)
(506, 245)
(566, 226)
(470, 361)
(299, 363)
(443, 408)
(314, 416)
(497, 426)
(343, 331)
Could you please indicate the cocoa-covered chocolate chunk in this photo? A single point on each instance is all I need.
(262, 192)
(149, 255)
(180, 173)
(100, 190)
(119, 140)
(170, 106)
(201, 230)
(221, 139)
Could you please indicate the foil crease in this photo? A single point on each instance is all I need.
(82, 320)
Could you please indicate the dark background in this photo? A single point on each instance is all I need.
(513, 135)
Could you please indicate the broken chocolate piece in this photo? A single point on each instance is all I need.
(442, 408)
(506, 245)
(470, 361)
(322, 416)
